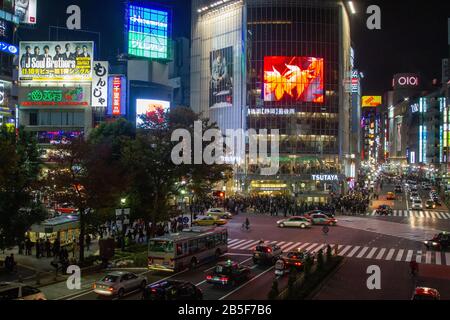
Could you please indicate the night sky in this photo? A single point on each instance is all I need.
(413, 36)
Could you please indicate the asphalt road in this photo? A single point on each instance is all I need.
(390, 242)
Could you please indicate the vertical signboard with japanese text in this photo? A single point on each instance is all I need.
(100, 84)
(117, 95)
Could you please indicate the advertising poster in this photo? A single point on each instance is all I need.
(6, 31)
(148, 32)
(150, 108)
(26, 11)
(5, 95)
(221, 85)
(100, 84)
(371, 101)
(54, 96)
(293, 79)
(56, 61)
(117, 95)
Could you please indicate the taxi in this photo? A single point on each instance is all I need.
(209, 221)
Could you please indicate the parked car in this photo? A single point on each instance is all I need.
(422, 293)
(219, 213)
(172, 290)
(440, 242)
(228, 273)
(209, 221)
(18, 291)
(266, 253)
(117, 283)
(321, 219)
(298, 222)
(398, 189)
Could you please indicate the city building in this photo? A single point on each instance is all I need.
(260, 64)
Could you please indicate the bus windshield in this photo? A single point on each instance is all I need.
(160, 246)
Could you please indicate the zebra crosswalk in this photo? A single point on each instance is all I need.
(353, 251)
(415, 214)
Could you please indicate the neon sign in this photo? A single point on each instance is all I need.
(54, 97)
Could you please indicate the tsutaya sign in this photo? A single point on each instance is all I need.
(325, 177)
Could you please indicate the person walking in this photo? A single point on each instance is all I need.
(38, 249)
(48, 248)
(88, 242)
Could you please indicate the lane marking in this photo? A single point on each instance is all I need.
(345, 250)
(447, 258)
(409, 256)
(438, 258)
(245, 243)
(428, 257)
(243, 285)
(230, 241)
(371, 253)
(284, 246)
(236, 243)
(252, 245)
(419, 257)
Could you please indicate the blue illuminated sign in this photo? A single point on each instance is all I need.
(9, 48)
(148, 32)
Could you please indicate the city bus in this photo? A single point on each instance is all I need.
(186, 249)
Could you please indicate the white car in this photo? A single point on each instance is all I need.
(17, 291)
(219, 213)
(417, 204)
(413, 195)
(298, 222)
(117, 283)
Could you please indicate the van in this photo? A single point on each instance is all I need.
(18, 291)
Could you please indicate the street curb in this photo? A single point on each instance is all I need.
(320, 286)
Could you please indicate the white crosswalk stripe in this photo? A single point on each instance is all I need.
(345, 250)
(415, 214)
(380, 254)
(428, 257)
(447, 258)
(232, 241)
(394, 213)
(390, 254)
(352, 253)
(311, 246)
(252, 245)
(447, 214)
(318, 248)
(399, 255)
(361, 253)
(242, 244)
(371, 253)
(419, 257)
(409, 256)
(438, 258)
(236, 243)
(284, 246)
(427, 214)
(297, 245)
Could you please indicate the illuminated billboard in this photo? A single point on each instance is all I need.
(5, 96)
(54, 97)
(371, 101)
(56, 61)
(150, 108)
(117, 95)
(221, 82)
(405, 81)
(148, 32)
(26, 11)
(293, 79)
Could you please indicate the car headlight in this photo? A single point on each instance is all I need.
(434, 243)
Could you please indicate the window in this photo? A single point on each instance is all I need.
(33, 119)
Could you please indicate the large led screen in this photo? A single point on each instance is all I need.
(149, 108)
(148, 32)
(293, 79)
(221, 81)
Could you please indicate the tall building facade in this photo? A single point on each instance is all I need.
(278, 65)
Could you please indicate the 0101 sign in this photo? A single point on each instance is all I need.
(405, 81)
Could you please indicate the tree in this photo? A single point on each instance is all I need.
(86, 176)
(19, 175)
(155, 177)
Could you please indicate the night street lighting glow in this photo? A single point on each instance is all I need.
(352, 7)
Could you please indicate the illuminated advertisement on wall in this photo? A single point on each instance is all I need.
(117, 95)
(150, 108)
(56, 61)
(221, 83)
(5, 96)
(8, 48)
(54, 97)
(100, 84)
(26, 11)
(6, 31)
(148, 32)
(293, 79)
(371, 101)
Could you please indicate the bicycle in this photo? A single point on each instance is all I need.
(244, 227)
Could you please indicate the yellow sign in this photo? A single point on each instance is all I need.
(371, 101)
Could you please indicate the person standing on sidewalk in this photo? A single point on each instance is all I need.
(38, 249)
(28, 246)
(48, 248)
(88, 242)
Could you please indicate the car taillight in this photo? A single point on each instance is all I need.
(111, 289)
(269, 250)
(94, 286)
(298, 264)
(224, 279)
(209, 277)
(153, 290)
